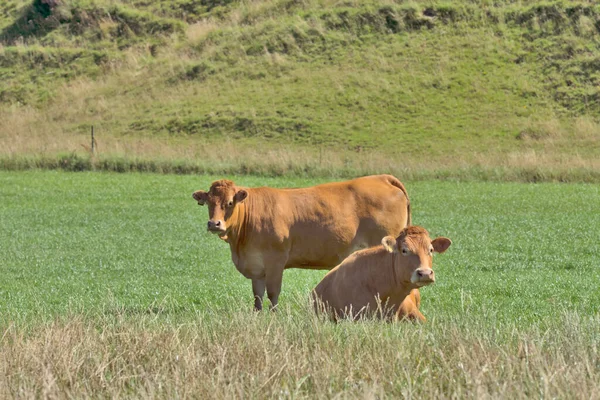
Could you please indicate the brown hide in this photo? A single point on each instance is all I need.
(269, 229)
(383, 280)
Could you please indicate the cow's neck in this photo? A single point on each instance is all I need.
(389, 278)
(238, 224)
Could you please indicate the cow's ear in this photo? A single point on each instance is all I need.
(441, 244)
(389, 243)
(240, 195)
(200, 196)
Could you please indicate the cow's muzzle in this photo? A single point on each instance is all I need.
(423, 276)
(215, 226)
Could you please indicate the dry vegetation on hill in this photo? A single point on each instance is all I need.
(506, 90)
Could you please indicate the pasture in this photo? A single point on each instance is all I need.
(111, 287)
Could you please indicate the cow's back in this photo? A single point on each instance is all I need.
(331, 221)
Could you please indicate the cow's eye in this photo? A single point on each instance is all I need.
(230, 203)
(404, 252)
(431, 250)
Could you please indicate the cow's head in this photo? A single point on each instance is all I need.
(221, 199)
(415, 254)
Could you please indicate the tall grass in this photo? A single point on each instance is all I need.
(294, 354)
(230, 159)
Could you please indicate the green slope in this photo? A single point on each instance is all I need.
(441, 79)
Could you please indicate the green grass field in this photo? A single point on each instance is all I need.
(110, 286)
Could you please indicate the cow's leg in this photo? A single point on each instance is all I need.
(274, 286)
(258, 288)
(417, 316)
(409, 310)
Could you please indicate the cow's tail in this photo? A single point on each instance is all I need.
(396, 182)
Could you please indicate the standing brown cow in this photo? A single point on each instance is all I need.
(269, 230)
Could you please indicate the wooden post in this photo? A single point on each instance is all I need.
(93, 140)
(320, 155)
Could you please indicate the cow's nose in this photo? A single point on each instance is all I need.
(214, 224)
(425, 273)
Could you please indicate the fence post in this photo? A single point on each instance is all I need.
(93, 140)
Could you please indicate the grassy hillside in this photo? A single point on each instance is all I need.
(428, 84)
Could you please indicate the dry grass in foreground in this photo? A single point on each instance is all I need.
(292, 355)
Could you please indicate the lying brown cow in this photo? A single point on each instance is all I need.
(269, 229)
(382, 280)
